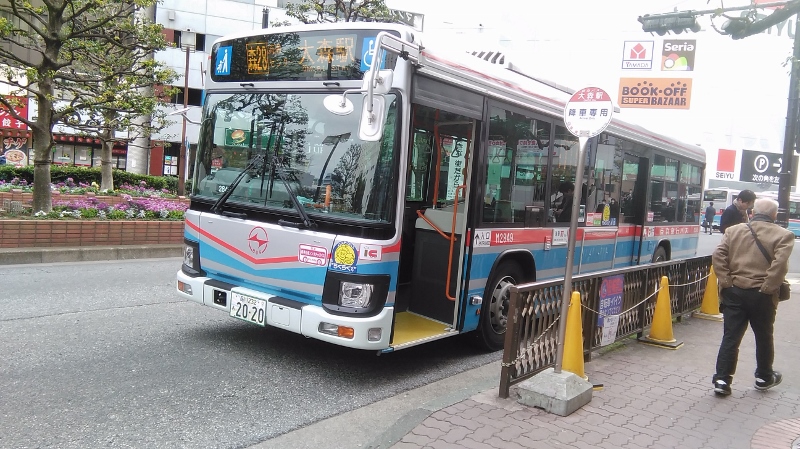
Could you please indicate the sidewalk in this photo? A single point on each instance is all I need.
(17, 256)
(651, 398)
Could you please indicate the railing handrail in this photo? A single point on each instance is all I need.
(534, 308)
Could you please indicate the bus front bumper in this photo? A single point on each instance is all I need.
(371, 333)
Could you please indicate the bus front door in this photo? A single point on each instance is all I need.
(432, 256)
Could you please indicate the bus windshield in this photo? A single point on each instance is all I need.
(716, 195)
(319, 155)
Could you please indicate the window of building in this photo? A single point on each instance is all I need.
(195, 97)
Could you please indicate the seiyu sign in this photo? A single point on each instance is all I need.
(763, 167)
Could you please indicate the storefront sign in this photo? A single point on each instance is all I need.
(678, 55)
(7, 120)
(655, 93)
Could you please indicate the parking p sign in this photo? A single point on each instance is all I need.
(588, 112)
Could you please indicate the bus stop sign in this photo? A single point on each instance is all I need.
(588, 112)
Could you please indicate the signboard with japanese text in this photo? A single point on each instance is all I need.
(610, 296)
(655, 93)
(588, 112)
(7, 120)
(298, 56)
(761, 167)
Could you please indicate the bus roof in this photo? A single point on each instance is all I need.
(498, 80)
(506, 81)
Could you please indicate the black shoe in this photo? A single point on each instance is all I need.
(766, 384)
(722, 388)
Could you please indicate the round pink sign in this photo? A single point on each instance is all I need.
(588, 112)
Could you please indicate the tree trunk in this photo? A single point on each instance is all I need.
(107, 137)
(42, 148)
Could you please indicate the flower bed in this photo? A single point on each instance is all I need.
(63, 233)
(82, 215)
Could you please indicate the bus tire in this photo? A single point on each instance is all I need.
(491, 332)
(660, 255)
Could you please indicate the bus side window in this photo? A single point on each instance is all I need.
(516, 166)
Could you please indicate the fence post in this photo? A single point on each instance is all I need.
(511, 348)
(643, 305)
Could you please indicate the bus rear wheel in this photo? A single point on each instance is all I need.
(660, 255)
(491, 331)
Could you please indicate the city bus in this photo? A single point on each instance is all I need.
(357, 184)
(722, 197)
(794, 209)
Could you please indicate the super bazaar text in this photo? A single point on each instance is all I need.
(654, 96)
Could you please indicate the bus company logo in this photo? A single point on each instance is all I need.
(222, 66)
(370, 252)
(655, 93)
(312, 255)
(678, 55)
(345, 257)
(637, 55)
(258, 240)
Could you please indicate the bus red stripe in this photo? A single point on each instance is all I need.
(269, 260)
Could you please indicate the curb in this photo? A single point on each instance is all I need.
(381, 424)
(18, 256)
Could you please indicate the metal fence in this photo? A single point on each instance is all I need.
(535, 308)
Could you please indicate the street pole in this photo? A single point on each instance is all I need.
(182, 157)
(573, 233)
(787, 175)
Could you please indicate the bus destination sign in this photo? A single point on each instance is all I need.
(313, 54)
(298, 56)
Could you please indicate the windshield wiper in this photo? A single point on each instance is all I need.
(257, 159)
(307, 222)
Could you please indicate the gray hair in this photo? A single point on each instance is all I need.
(765, 206)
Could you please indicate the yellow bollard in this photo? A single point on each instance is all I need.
(573, 338)
(709, 309)
(661, 328)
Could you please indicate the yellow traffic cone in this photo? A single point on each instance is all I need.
(661, 328)
(709, 309)
(573, 338)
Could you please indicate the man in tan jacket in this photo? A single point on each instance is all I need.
(749, 288)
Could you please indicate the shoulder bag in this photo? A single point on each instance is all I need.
(784, 292)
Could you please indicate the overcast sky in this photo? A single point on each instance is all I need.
(739, 91)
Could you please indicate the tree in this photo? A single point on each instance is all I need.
(88, 65)
(324, 11)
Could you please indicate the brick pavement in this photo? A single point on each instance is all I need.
(652, 398)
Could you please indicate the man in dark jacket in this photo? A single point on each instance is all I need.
(737, 212)
(749, 285)
(710, 213)
(564, 212)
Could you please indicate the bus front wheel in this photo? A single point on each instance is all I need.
(491, 331)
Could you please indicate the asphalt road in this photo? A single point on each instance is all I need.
(105, 355)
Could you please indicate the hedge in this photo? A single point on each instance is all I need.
(60, 173)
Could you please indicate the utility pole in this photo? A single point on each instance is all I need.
(188, 43)
(787, 175)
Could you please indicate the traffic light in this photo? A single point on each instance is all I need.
(662, 24)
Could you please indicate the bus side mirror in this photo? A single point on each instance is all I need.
(370, 129)
(381, 84)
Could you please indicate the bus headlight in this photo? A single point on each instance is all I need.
(191, 259)
(188, 255)
(352, 294)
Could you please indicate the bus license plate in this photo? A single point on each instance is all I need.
(248, 309)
